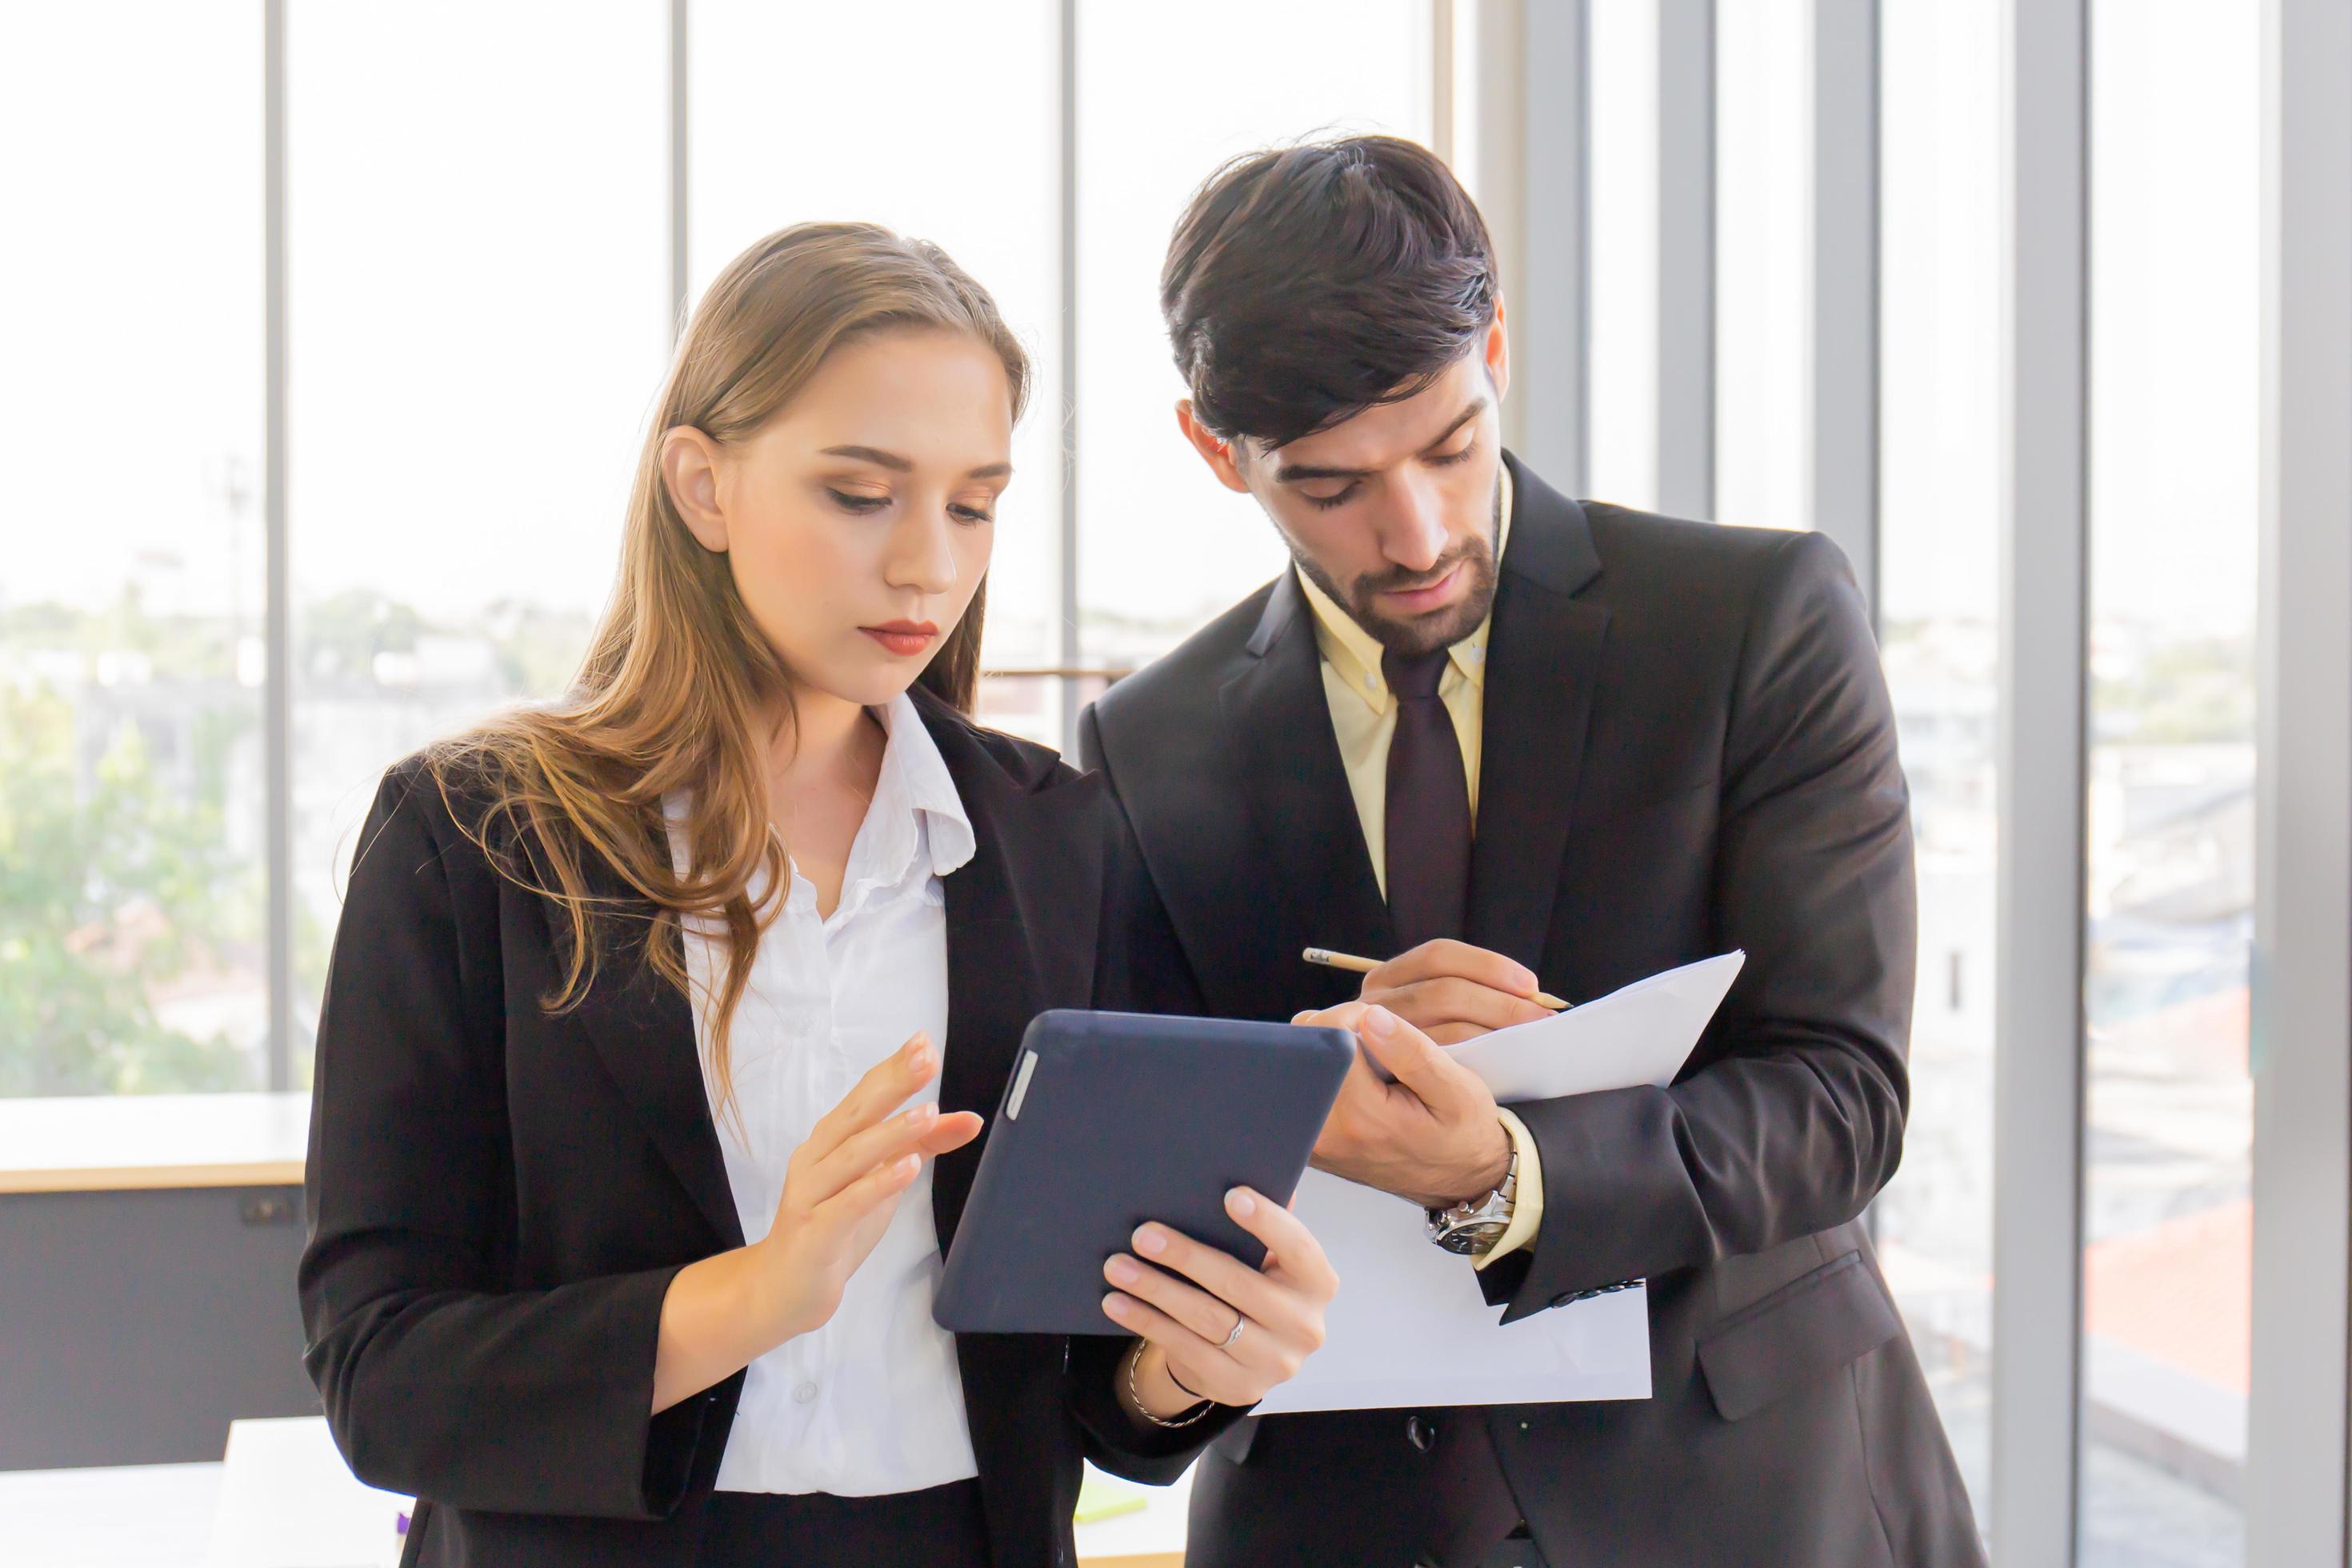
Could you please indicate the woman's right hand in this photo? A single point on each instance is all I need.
(841, 1187)
(844, 1183)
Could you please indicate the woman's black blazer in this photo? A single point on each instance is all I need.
(497, 1198)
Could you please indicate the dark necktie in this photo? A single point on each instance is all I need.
(1428, 815)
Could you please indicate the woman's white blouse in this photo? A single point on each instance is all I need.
(870, 1403)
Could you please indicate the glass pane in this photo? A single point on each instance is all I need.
(1763, 253)
(1163, 545)
(131, 846)
(478, 316)
(953, 140)
(2174, 347)
(1622, 367)
(1939, 477)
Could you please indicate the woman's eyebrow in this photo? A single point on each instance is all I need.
(876, 455)
(898, 465)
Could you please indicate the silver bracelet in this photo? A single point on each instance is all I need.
(1136, 1395)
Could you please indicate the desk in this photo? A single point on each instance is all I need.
(135, 1142)
(291, 1501)
(147, 1253)
(170, 1223)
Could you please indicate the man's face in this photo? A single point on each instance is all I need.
(1395, 511)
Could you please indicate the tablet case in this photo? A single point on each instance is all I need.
(1112, 1119)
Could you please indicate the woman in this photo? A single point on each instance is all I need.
(658, 1020)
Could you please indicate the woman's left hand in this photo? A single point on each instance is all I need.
(1211, 1326)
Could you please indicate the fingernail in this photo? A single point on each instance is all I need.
(1240, 1201)
(1115, 1305)
(919, 1059)
(1149, 1242)
(925, 1112)
(1379, 1021)
(1524, 978)
(1123, 1270)
(909, 1163)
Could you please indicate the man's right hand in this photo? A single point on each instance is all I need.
(1453, 992)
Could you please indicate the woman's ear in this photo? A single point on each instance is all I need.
(689, 470)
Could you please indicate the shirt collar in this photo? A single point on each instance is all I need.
(915, 805)
(1355, 653)
(918, 782)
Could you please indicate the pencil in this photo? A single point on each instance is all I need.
(1349, 960)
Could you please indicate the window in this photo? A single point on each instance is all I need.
(955, 142)
(1763, 254)
(1940, 504)
(477, 266)
(479, 313)
(2168, 1213)
(1622, 370)
(131, 942)
(1162, 546)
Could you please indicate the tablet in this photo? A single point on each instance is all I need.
(1112, 1119)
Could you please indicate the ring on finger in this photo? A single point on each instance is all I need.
(1240, 1322)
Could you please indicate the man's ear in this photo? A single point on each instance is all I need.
(1499, 353)
(1215, 451)
(690, 472)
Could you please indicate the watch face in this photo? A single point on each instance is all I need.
(1476, 1237)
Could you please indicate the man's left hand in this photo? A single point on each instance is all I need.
(1433, 1135)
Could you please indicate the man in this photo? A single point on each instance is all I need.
(1517, 739)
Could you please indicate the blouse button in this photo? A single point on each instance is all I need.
(804, 1393)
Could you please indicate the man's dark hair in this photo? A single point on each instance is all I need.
(1306, 284)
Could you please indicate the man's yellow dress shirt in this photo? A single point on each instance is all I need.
(1363, 719)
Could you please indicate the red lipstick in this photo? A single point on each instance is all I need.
(904, 638)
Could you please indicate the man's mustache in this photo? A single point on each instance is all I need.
(1402, 582)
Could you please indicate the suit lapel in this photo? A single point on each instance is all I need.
(643, 1030)
(1021, 918)
(1543, 660)
(1308, 876)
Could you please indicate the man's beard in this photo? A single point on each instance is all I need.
(1421, 634)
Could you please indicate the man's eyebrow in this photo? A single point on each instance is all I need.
(1292, 473)
(898, 465)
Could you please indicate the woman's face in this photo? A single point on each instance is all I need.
(858, 522)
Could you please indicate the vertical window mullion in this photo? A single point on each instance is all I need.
(1068, 647)
(2296, 1500)
(1844, 433)
(1550, 303)
(2037, 1060)
(277, 629)
(680, 169)
(1686, 258)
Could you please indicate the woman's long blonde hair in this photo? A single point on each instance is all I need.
(677, 682)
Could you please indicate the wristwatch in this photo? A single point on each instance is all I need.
(1473, 1228)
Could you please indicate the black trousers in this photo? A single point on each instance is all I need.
(938, 1527)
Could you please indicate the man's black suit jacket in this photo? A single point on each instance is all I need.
(499, 1198)
(1688, 748)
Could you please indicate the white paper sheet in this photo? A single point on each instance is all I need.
(1641, 1034)
(1409, 1326)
